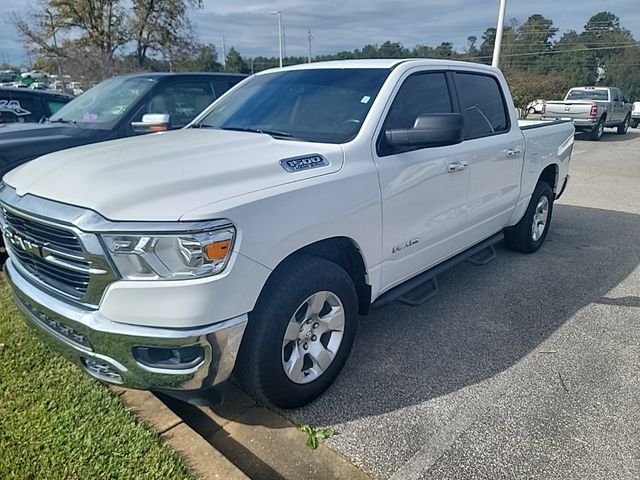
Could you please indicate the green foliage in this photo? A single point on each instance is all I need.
(315, 434)
(235, 63)
(58, 423)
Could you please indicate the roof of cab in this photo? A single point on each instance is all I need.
(31, 92)
(389, 63)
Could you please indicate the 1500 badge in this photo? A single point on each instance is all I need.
(305, 162)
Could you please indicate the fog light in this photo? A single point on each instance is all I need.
(171, 358)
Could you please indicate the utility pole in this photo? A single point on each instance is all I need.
(499, 28)
(55, 45)
(224, 54)
(279, 14)
(310, 37)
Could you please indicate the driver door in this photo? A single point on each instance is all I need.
(423, 198)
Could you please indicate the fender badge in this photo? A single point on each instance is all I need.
(305, 162)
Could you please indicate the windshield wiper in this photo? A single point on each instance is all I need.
(62, 120)
(273, 133)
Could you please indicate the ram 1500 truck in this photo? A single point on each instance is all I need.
(591, 109)
(250, 241)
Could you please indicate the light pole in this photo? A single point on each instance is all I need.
(279, 14)
(498, 43)
(224, 55)
(310, 37)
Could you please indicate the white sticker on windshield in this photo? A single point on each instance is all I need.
(365, 99)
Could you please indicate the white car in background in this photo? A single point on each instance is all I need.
(635, 115)
(537, 106)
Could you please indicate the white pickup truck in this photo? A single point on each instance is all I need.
(250, 241)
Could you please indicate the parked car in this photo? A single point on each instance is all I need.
(591, 109)
(118, 107)
(113, 109)
(256, 236)
(537, 106)
(19, 105)
(635, 115)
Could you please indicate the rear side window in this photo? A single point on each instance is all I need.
(17, 110)
(482, 105)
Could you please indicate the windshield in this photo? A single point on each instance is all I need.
(588, 94)
(103, 105)
(319, 105)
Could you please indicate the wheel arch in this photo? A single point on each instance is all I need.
(550, 175)
(344, 252)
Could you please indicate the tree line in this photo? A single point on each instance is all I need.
(95, 39)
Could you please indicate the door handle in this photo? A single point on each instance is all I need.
(457, 167)
(514, 152)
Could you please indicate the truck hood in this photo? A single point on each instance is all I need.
(20, 142)
(162, 176)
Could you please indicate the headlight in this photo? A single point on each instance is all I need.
(170, 256)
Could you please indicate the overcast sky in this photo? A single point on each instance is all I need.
(348, 24)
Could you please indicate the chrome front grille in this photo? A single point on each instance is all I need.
(44, 234)
(59, 257)
(70, 282)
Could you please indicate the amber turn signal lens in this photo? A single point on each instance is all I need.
(217, 250)
(158, 128)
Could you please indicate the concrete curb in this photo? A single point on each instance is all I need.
(201, 457)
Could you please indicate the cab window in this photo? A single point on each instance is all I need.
(420, 94)
(482, 105)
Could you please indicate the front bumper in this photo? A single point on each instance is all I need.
(104, 348)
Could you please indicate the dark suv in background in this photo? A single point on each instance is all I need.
(115, 108)
(20, 105)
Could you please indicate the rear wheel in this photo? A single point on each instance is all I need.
(598, 130)
(529, 234)
(300, 333)
(624, 126)
(633, 123)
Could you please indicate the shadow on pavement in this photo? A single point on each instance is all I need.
(609, 136)
(483, 321)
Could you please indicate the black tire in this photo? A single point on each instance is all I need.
(598, 130)
(260, 368)
(633, 123)
(624, 126)
(520, 237)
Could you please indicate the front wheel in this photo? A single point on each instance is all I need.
(624, 126)
(300, 333)
(528, 235)
(633, 123)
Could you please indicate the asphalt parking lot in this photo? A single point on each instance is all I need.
(524, 368)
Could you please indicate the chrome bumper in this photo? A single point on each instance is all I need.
(104, 349)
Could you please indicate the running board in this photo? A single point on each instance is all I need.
(423, 287)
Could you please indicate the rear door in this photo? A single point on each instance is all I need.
(422, 201)
(496, 152)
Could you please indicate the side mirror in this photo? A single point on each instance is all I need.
(152, 122)
(433, 130)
